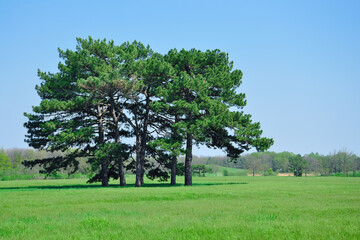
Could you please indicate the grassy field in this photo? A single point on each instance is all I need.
(214, 208)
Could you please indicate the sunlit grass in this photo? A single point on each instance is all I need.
(214, 208)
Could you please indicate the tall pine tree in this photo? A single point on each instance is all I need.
(202, 93)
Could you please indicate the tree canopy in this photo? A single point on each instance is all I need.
(104, 94)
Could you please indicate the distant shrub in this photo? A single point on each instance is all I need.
(55, 176)
(66, 176)
(9, 176)
(235, 172)
(340, 174)
(270, 172)
(201, 170)
(13, 175)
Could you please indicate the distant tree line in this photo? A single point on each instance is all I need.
(12, 168)
(127, 108)
(341, 162)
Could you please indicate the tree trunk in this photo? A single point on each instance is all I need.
(138, 161)
(142, 158)
(142, 177)
(174, 158)
(117, 140)
(104, 173)
(141, 145)
(173, 170)
(104, 162)
(188, 160)
(122, 172)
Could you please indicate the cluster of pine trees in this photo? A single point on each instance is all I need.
(120, 106)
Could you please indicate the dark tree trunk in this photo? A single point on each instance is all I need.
(142, 176)
(138, 162)
(174, 158)
(141, 139)
(104, 173)
(142, 158)
(173, 170)
(188, 160)
(104, 162)
(117, 140)
(122, 172)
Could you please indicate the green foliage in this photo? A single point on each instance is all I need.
(180, 169)
(104, 93)
(340, 174)
(202, 95)
(226, 171)
(78, 109)
(204, 102)
(15, 175)
(297, 164)
(201, 170)
(5, 162)
(10, 177)
(157, 173)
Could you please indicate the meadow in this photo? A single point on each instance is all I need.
(233, 207)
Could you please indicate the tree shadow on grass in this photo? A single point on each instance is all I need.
(89, 186)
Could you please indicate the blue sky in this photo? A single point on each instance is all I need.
(300, 59)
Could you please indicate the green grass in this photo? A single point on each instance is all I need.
(214, 208)
(13, 175)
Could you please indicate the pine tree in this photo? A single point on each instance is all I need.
(202, 94)
(102, 92)
(297, 164)
(76, 111)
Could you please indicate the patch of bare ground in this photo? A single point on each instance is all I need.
(279, 174)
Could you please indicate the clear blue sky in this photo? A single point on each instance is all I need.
(300, 59)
